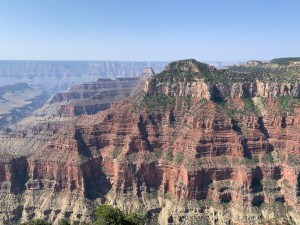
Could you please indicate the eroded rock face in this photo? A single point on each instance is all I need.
(181, 157)
(198, 88)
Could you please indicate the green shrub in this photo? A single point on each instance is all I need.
(167, 155)
(285, 104)
(108, 215)
(236, 161)
(252, 161)
(135, 219)
(249, 107)
(224, 161)
(157, 153)
(64, 222)
(116, 152)
(285, 61)
(178, 158)
(158, 102)
(293, 159)
(268, 158)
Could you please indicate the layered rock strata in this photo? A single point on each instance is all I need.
(186, 150)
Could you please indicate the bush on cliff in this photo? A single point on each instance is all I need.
(64, 222)
(108, 215)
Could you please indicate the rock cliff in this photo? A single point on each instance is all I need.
(197, 146)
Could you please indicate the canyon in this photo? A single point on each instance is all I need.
(26, 85)
(18, 101)
(192, 144)
(48, 72)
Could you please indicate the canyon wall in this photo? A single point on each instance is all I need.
(183, 151)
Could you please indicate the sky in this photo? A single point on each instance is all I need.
(144, 30)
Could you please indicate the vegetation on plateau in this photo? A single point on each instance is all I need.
(277, 70)
(191, 69)
(285, 61)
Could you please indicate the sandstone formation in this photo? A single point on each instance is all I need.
(197, 146)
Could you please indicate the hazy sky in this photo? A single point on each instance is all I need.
(149, 29)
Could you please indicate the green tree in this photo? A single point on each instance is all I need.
(64, 222)
(136, 219)
(108, 215)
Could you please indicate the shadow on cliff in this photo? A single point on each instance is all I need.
(96, 183)
(262, 127)
(298, 185)
(19, 174)
(265, 132)
(143, 132)
(257, 176)
(83, 149)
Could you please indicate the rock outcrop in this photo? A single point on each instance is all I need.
(197, 146)
(223, 85)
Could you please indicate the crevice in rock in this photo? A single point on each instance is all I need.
(83, 149)
(258, 200)
(170, 219)
(298, 185)
(216, 95)
(225, 198)
(96, 183)
(283, 122)
(235, 126)
(262, 127)
(172, 119)
(151, 118)
(143, 132)
(280, 199)
(257, 176)
(265, 132)
(19, 171)
(277, 173)
(246, 151)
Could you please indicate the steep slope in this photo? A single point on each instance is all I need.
(197, 146)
